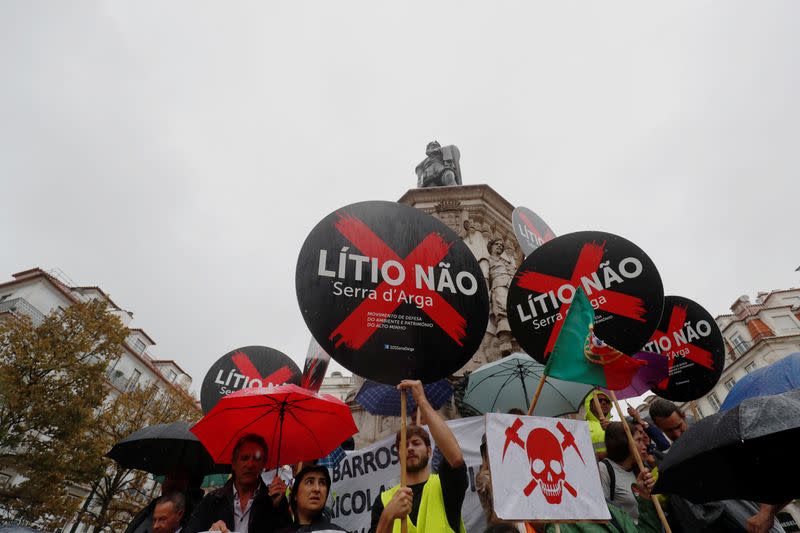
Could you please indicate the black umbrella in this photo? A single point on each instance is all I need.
(747, 452)
(160, 448)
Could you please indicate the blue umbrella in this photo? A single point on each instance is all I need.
(333, 458)
(380, 399)
(781, 376)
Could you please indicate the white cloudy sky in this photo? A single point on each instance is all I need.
(178, 153)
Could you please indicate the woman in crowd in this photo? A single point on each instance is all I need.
(307, 501)
(617, 473)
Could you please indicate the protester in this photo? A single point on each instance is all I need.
(244, 504)
(598, 421)
(307, 500)
(483, 485)
(178, 480)
(725, 516)
(647, 451)
(168, 513)
(668, 418)
(441, 495)
(655, 434)
(620, 521)
(617, 473)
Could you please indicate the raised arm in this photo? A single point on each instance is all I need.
(440, 431)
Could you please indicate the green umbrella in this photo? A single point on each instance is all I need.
(511, 382)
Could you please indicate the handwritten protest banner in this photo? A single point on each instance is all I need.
(543, 469)
(364, 473)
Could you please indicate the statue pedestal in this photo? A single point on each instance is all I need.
(479, 215)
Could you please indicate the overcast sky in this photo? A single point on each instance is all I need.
(178, 153)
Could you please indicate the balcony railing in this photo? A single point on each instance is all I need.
(21, 305)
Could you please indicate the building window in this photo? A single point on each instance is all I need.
(714, 401)
(784, 324)
(730, 383)
(171, 375)
(749, 368)
(740, 346)
(5, 297)
(138, 345)
(133, 380)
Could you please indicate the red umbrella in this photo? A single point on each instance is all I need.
(298, 425)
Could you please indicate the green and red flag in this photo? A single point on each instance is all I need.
(580, 356)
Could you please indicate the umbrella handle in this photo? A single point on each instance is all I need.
(635, 451)
(402, 452)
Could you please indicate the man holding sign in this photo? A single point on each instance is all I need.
(432, 502)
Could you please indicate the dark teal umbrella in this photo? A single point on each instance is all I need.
(511, 382)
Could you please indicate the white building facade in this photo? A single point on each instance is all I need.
(36, 293)
(756, 334)
(338, 385)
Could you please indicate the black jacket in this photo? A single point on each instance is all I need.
(193, 497)
(218, 505)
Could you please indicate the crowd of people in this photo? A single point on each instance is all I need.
(432, 501)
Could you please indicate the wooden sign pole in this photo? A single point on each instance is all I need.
(402, 452)
(536, 394)
(599, 409)
(640, 464)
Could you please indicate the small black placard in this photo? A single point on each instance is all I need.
(250, 366)
(530, 229)
(691, 340)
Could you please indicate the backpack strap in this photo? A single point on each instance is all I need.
(612, 477)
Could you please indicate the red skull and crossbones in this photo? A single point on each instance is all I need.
(546, 459)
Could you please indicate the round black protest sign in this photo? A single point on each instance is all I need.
(391, 293)
(251, 366)
(530, 229)
(688, 336)
(620, 280)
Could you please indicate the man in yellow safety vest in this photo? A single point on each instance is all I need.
(431, 502)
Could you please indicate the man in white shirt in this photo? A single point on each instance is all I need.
(245, 504)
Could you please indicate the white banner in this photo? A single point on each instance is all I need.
(365, 473)
(543, 469)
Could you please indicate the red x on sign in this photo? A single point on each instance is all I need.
(531, 226)
(700, 356)
(428, 253)
(248, 369)
(589, 260)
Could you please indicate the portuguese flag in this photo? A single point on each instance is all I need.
(580, 356)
